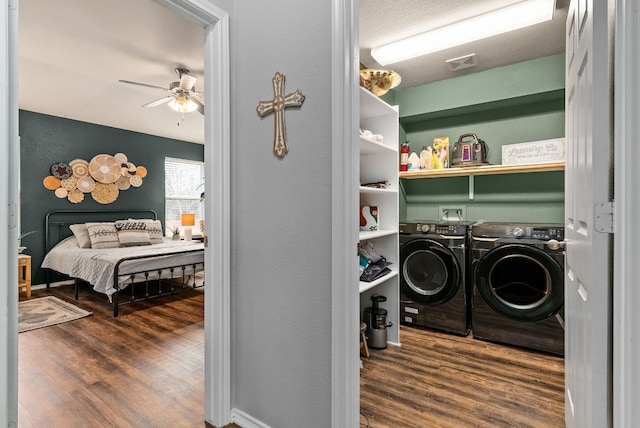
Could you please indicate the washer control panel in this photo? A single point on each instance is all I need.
(446, 229)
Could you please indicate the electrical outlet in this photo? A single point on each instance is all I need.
(452, 212)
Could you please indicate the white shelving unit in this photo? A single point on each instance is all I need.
(379, 162)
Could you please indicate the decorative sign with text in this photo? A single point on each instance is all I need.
(545, 151)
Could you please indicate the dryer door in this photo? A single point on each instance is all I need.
(430, 272)
(521, 282)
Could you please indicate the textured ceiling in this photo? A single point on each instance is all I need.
(73, 52)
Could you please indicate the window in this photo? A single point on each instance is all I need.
(184, 183)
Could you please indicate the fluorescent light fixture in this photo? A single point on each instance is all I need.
(514, 17)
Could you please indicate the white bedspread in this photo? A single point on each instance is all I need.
(96, 265)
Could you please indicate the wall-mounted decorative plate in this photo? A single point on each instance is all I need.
(86, 184)
(51, 183)
(105, 193)
(80, 167)
(104, 169)
(61, 170)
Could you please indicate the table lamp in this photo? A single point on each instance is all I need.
(187, 221)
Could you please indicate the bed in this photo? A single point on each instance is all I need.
(147, 270)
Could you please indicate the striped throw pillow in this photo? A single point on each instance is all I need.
(132, 233)
(154, 228)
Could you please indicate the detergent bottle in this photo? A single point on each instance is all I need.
(426, 158)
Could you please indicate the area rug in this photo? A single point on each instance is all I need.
(46, 311)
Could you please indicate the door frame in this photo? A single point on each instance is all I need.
(345, 164)
(626, 346)
(217, 401)
(9, 164)
(217, 128)
(626, 270)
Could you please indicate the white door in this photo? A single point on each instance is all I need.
(587, 217)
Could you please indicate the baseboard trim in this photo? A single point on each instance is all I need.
(51, 285)
(246, 421)
(208, 425)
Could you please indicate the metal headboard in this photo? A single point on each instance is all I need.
(57, 222)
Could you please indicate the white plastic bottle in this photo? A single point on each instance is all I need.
(426, 158)
(423, 157)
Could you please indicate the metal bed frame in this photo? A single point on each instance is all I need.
(57, 228)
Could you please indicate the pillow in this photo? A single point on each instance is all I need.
(132, 233)
(154, 228)
(103, 235)
(82, 235)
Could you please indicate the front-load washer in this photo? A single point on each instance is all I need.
(517, 271)
(433, 270)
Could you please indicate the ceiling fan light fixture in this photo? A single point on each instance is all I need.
(514, 17)
(183, 104)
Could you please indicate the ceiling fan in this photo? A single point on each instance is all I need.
(183, 96)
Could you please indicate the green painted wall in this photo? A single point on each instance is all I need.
(46, 140)
(512, 104)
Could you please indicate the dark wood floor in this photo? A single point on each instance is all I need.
(145, 369)
(441, 380)
(142, 369)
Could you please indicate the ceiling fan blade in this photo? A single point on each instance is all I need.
(200, 105)
(160, 101)
(187, 81)
(142, 84)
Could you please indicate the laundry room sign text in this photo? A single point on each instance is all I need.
(533, 152)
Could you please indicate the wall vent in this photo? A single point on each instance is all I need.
(462, 62)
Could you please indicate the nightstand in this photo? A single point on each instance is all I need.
(24, 274)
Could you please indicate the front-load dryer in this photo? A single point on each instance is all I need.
(518, 284)
(433, 270)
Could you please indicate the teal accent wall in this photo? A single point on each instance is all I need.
(46, 140)
(506, 105)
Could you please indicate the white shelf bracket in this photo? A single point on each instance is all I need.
(471, 187)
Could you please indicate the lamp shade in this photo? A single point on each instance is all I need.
(183, 105)
(188, 219)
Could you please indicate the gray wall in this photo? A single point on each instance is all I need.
(46, 140)
(281, 216)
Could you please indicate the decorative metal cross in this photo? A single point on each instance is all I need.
(277, 106)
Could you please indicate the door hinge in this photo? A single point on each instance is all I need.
(603, 217)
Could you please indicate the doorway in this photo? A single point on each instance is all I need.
(438, 62)
(216, 51)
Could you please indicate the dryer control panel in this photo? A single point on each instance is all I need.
(542, 233)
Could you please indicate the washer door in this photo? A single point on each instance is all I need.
(521, 282)
(430, 272)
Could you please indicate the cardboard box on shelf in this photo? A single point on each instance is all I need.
(440, 152)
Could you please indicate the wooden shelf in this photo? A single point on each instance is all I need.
(482, 170)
